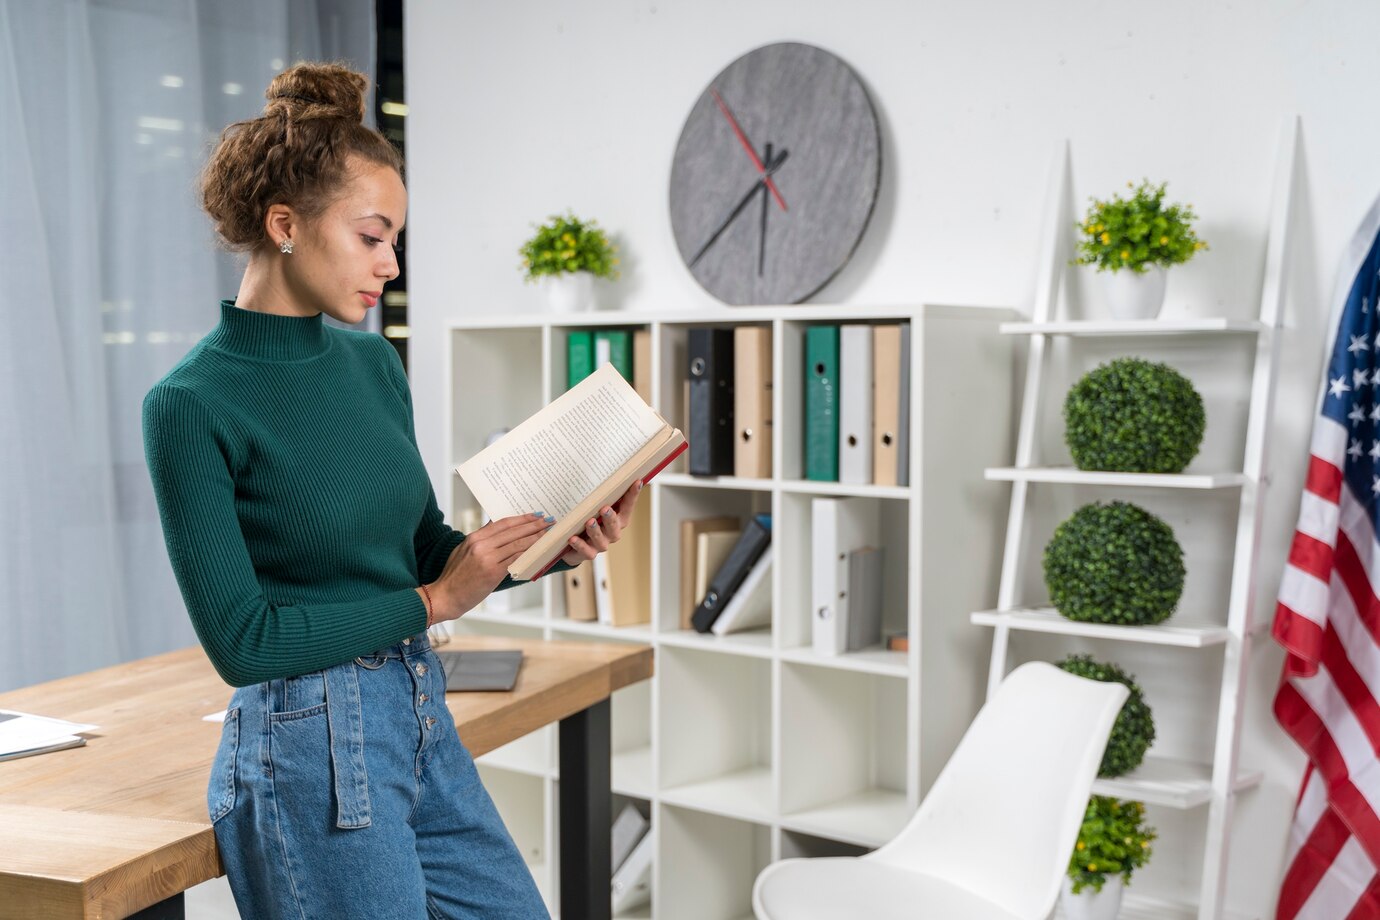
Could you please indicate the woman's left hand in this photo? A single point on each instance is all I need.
(601, 532)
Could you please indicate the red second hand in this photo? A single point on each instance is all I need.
(742, 139)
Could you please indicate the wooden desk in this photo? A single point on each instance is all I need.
(120, 825)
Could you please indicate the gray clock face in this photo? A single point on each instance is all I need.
(775, 175)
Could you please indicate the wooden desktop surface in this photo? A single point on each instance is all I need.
(107, 829)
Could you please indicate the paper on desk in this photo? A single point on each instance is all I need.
(21, 731)
(215, 716)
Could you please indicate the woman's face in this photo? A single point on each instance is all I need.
(340, 263)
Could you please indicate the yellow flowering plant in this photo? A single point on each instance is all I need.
(1138, 232)
(1113, 840)
(565, 243)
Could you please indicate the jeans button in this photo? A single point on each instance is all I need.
(421, 669)
(430, 722)
(422, 699)
(407, 641)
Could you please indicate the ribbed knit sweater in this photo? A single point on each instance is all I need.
(297, 512)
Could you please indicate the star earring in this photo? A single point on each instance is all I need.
(286, 247)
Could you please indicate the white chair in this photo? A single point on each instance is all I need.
(993, 837)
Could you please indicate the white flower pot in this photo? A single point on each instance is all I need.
(1089, 904)
(1133, 296)
(569, 292)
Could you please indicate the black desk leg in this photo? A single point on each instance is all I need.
(171, 909)
(586, 815)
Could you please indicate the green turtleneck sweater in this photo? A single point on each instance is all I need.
(298, 515)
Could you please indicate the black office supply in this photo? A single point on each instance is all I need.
(710, 353)
(486, 669)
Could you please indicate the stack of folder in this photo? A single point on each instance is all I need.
(737, 595)
(857, 404)
(631, 853)
(629, 350)
(729, 414)
(615, 588)
(846, 575)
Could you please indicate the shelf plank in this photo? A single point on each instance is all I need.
(745, 795)
(714, 482)
(864, 490)
(1071, 476)
(531, 616)
(639, 633)
(1047, 620)
(1168, 782)
(632, 772)
(874, 660)
(754, 642)
(867, 819)
(1140, 907)
(1138, 327)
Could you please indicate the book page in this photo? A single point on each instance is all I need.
(556, 458)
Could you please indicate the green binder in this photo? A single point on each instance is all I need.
(579, 356)
(821, 403)
(618, 343)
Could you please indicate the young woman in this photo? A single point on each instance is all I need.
(309, 549)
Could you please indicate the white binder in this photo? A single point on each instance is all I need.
(632, 883)
(838, 526)
(855, 404)
(750, 605)
(603, 598)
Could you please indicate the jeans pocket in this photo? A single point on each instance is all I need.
(220, 791)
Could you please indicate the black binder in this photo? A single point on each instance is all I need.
(711, 402)
(752, 542)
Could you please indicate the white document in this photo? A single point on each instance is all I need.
(555, 459)
(22, 733)
(837, 527)
(750, 605)
(855, 404)
(215, 716)
(632, 883)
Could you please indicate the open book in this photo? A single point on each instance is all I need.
(579, 454)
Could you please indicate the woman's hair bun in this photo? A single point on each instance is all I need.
(322, 90)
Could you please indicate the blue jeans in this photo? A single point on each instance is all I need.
(347, 793)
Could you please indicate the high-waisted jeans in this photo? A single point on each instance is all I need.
(346, 793)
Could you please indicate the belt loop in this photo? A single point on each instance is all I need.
(345, 719)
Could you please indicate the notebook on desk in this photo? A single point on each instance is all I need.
(486, 669)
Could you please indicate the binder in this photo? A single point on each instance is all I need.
(642, 364)
(690, 529)
(710, 552)
(579, 593)
(903, 412)
(628, 828)
(632, 883)
(821, 409)
(865, 597)
(614, 346)
(630, 570)
(751, 604)
(710, 353)
(603, 600)
(886, 404)
(579, 356)
(837, 527)
(752, 542)
(752, 401)
(855, 404)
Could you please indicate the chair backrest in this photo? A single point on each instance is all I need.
(1003, 815)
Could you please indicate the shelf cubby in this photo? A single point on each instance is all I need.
(707, 864)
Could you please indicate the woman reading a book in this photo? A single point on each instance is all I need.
(309, 548)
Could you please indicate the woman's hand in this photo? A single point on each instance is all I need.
(604, 530)
(481, 561)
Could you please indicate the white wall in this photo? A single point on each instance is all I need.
(522, 109)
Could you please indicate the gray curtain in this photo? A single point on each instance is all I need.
(111, 273)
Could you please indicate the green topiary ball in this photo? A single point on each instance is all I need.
(1135, 727)
(1114, 563)
(1133, 416)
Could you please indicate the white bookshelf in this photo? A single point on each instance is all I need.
(749, 747)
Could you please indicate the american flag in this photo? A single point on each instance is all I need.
(1328, 619)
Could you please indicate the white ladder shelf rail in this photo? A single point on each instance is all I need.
(1252, 481)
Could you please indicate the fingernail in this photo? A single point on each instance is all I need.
(640, 484)
(538, 514)
(608, 512)
(591, 523)
(550, 519)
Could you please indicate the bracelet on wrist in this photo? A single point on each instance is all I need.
(430, 608)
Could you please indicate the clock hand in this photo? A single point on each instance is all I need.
(742, 139)
(764, 178)
(762, 227)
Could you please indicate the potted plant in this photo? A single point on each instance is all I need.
(1134, 729)
(1132, 241)
(1114, 563)
(1113, 842)
(566, 254)
(1133, 416)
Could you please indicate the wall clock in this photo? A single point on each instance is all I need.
(775, 175)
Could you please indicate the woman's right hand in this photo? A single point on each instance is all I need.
(480, 563)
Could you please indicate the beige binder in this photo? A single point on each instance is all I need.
(690, 531)
(642, 364)
(630, 569)
(579, 593)
(886, 405)
(752, 401)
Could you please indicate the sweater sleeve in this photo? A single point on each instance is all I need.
(247, 638)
